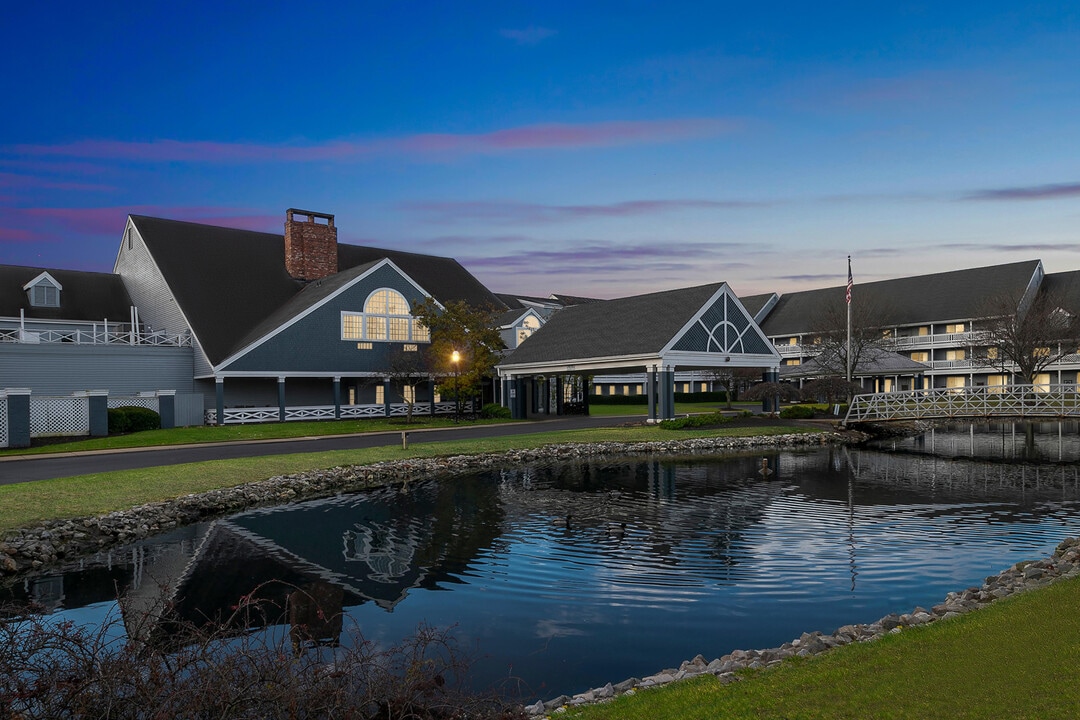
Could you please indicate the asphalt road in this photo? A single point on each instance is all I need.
(43, 467)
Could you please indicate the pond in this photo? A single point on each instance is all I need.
(562, 577)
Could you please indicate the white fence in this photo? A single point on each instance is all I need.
(59, 416)
(117, 336)
(3, 422)
(150, 402)
(234, 416)
(1015, 401)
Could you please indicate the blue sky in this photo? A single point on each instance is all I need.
(585, 148)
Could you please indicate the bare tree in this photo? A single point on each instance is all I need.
(733, 380)
(407, 370)
(869, 331)
(831, 388)
(1029, 336)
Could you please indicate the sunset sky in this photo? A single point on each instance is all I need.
(586, 148)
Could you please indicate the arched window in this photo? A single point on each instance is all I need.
(386, 317)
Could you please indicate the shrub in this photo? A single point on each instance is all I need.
(618, 399)
(494, 410)
(797, 412)
(695, 421)
(130, 419)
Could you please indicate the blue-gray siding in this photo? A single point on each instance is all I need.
(314, 344)
(61, 368)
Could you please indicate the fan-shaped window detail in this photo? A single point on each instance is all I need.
(386, 317)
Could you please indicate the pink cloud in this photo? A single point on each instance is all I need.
(533, 212)
(17, 181)
(558, 136)
(110, 220)
(18, 235)
(528, 36)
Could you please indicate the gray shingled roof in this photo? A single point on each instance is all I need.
(625, 326)
(938, 297)
(874, 361)
(1065, 286)
(87, 296)
(230, 282)
(754, 303)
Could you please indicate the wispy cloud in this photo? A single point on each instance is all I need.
(41, 222)
(1052, 191)
(518, 212)
(528, 36)
(18, 181)
(555, 136)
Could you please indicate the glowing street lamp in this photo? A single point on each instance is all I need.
(455, 358)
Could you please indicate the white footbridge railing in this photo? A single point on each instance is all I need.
(1012, 401)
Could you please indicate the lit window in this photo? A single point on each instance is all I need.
(385, 317)
(793, 341)
(380, 394)
(955, 328)
(923, 331)
(408, 394)
(955, 354)
(352, 326)
(920, 356)
(793, 361)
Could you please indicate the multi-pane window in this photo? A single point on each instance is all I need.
(385, 317)
(955, 328)
(44, 295)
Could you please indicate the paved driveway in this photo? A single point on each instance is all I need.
(43, 467)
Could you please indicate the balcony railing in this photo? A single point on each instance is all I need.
(326, 412)
(121, 336)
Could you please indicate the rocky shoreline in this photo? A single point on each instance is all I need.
(35, 550)
(1023, 576)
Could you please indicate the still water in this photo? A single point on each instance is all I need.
(563, 577)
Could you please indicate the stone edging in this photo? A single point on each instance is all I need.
(36, 549)
(1023, 576)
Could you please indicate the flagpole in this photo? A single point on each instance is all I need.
(848, 298)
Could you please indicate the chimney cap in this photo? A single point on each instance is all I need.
(310, 213)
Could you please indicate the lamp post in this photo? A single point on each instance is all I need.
(455, 358)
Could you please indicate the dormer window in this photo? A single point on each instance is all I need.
(386, 317)
(43, 291)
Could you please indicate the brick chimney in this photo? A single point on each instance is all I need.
(310, 244)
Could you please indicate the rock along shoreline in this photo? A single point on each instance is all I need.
(35, 550)
(38, 550)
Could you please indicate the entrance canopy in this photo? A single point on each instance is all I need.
(696, 328)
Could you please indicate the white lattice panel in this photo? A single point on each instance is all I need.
(59, 416)
(3, 423)
(150, 402)
(250, 415)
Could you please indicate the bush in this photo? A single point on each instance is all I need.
(618, 399)
(494, 410)
(129, 419)
(797, 412)
(215, 669)
(695, 421)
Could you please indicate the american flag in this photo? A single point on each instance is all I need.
(850, 282)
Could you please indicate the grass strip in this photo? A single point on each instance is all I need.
(29, 503)
(1016, 658)
(231, 433)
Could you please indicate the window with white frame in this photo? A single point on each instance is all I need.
(43, 291)
(386, 317)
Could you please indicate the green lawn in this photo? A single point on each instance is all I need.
(34, 502)
(256, 431)
(681, 408)
(1017, 658)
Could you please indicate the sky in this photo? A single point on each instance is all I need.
(599, 149)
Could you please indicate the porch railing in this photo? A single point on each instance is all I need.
(235, 416)
(118, 336)
(1018, 401)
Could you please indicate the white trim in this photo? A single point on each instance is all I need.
(43, 276)
(195, 343)
(316, 306)
(272, 374)
(724, 290)
(516, 322)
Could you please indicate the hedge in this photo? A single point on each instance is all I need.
(131, 418)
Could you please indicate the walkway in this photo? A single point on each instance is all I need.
(1010, 401)
(15, 469)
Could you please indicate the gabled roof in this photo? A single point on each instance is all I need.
(86, 296)
(568, 300)
(626, 326)
(513, 317)
(873, 361)
(755, 304)
(956, 295)
(1064, 287)
(231, 284)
